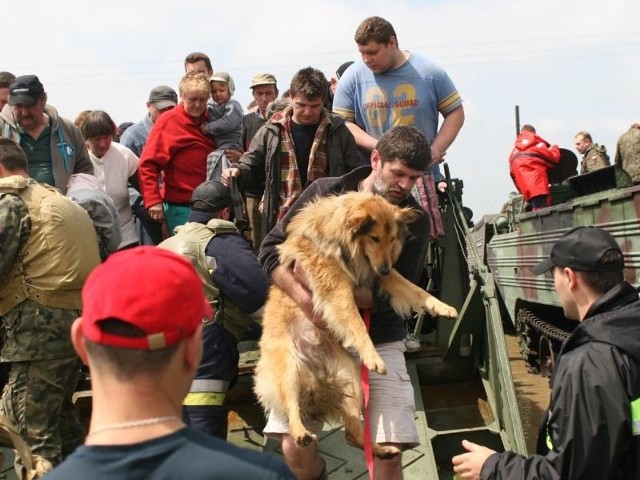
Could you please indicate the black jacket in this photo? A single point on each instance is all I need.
(587, 432)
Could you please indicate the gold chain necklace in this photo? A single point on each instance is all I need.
(134, 423)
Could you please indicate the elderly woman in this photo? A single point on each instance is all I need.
(113, 166)
(178, 149)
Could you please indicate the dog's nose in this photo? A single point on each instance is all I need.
(384, 270)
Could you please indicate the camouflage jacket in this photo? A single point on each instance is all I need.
(15, 227)
(594, 158)
(33, 331)
(628, 153)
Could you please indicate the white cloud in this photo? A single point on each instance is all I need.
(569, 65)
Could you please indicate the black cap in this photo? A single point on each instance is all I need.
(25, 90)
(342, 68)
(214, 194)
(582, 249)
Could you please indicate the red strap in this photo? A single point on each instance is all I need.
(364, 381)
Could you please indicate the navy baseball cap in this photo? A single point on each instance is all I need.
(25, 90)
(214, 194)
(582, 249)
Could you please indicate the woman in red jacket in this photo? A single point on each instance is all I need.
(528, 164)
(178, 149)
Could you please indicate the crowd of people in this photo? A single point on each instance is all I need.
(121, 249)
(167, 182)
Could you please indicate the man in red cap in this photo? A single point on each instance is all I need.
(141, 335)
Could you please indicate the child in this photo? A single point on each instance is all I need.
(225, 116)
(224, 125)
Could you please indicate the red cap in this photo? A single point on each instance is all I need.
(151, 288)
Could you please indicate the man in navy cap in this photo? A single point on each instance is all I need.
(592, 427)
(54, 145)
(236, 287)
(161, 99)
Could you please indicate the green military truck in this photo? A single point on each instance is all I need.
(515, 239)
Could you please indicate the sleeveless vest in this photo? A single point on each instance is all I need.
(61, 251)
(190, 241)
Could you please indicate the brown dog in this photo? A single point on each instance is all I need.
(341, 243)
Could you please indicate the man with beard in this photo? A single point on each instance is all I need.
(399, 159)
(594, 156)
(54, 146)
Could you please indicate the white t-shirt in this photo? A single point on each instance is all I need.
(113, 171)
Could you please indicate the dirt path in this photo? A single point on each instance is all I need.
(532, 392)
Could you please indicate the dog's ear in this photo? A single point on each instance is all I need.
(404, 217)
(360, 222)
(407, 215)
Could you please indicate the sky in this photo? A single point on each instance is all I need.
(569, 65)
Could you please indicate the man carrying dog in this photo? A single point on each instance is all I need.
(400, 157)
(591, 430)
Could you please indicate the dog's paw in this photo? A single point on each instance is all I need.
(375, 363)
(385, 452)
(447, 311)
(436, 308)
(305, 439)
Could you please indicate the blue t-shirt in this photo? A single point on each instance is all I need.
(415, 93)
(186, 453)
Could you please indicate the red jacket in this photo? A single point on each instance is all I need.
(528, 164)
(177, 147)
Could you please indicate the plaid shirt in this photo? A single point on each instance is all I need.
(291, 187)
